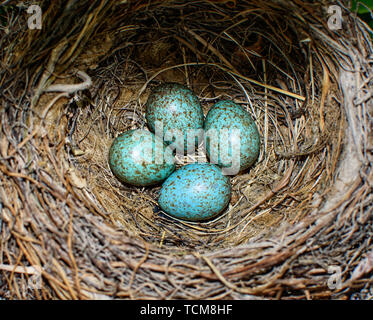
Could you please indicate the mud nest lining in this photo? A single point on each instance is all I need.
(304, 206)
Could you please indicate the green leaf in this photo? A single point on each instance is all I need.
(362, 9)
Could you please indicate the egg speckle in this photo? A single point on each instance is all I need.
(174, 108)
(139, 158)
(236, 136)
(195, 192)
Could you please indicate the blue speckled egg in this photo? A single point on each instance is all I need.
(140, 158)
(195, 192)
(175, 109)
(232, 138)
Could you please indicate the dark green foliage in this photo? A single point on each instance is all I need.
(364, 10)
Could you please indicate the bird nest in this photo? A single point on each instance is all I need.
(299, 223)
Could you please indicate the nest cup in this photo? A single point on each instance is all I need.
(299, 224)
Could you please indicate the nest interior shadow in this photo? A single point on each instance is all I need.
(303, 206)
